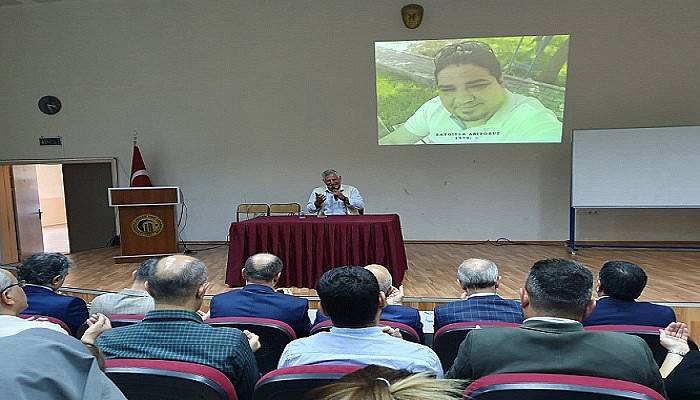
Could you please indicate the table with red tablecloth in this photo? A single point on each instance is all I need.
(310, 246)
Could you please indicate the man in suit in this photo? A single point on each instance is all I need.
(479, 279)
(394, 310)
(174, 330)
(258, 297)
(44, 274)
(620, 283)
(556, 297)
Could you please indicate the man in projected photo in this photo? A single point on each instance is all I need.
(473, 106)
(335, 198)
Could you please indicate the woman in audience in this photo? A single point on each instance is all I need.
(681, 367)
(380, 383)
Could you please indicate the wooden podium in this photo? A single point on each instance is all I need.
(146, 221)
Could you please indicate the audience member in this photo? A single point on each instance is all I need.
(556, 297)
(681, 367)
(133, 300)
(40, 364)
(380, 383)
(258, 297)
(174, 330)
(619, 285)
(394, 310)
(479, 279)
(44, 274)
(12, 302)
(350, 296)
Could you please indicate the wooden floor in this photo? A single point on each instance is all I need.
(674, 276)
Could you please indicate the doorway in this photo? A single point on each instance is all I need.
(52, 206)
(55, 206)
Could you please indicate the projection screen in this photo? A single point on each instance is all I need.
(471, 90)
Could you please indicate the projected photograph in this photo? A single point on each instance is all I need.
(467, 91)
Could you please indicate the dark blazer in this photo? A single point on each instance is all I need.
(44, 301)
(610, 311)
(559, 348)
(262, 301)
(478, 308)
(394, 313)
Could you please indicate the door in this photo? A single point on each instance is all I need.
(27, 210)
(8, 228)
(91, 222)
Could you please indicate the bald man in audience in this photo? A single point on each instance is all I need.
(394, 311)
(479, 279)
(12, 302)
(258, 297)
(174, 330)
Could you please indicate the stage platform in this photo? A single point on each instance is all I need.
(674, 276)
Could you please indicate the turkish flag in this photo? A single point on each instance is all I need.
(139, 175)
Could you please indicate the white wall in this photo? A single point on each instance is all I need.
(240, 101)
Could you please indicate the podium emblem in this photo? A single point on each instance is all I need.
(147, 225)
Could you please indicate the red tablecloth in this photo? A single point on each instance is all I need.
(310, 246)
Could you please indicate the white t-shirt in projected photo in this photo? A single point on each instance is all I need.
(521, 119)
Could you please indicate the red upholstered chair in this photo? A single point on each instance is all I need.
(650, 334)
(407, 332)
(292, 383)
(165, 380)
(533, 386)
(447, 339)
(117, 320)
(323, 326)
(274, 337)
(124, 319)
(49, 319)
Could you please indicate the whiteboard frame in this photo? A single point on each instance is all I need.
(571, 244)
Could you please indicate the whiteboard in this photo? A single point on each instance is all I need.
(636, 168)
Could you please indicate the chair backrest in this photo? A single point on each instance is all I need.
(650, 334)
(141, 379)
(531, 386)
(53, 320)
(116, 320)
(323, 326)
(274, 337)
(285, 208)
(125, 319)
(251, 210)
(292, 383)
(447, 339)
(407, 332)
